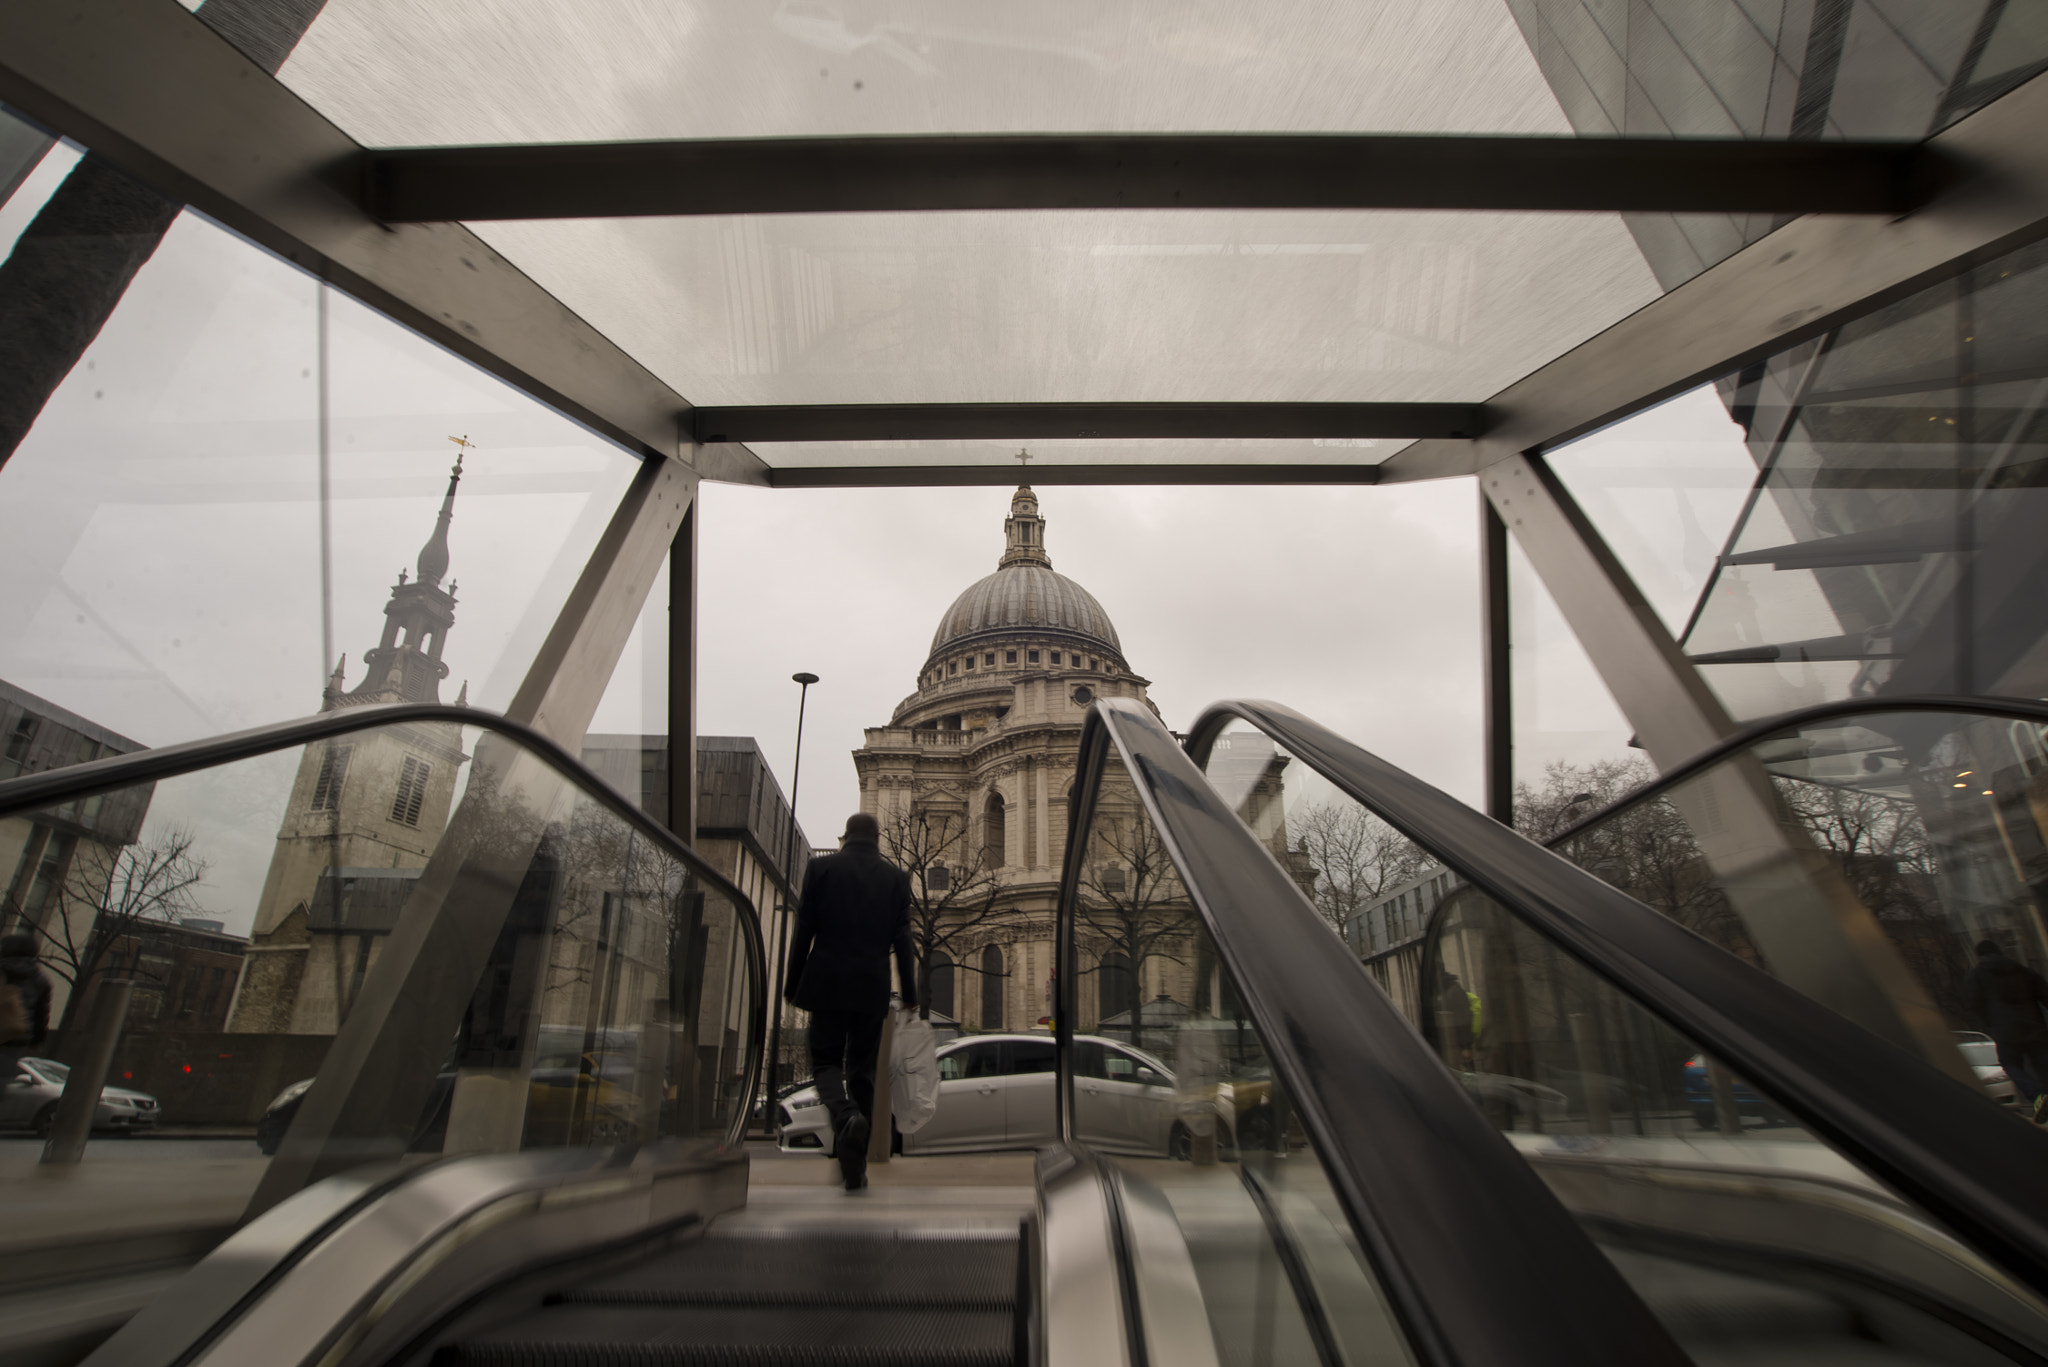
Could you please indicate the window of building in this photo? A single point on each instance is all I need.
(1032, 656)
(18, 741)
(1055, 657)
(1009, 657)
(993, 820)
(989, 658)
(953, 668)
(941, 1002)
(412, 791)
(333, 773)
(970, 662)
(992, 988)
(1115, 988)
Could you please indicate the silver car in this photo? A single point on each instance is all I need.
(30, 1102)
(996, 1092)
(1982, 1054)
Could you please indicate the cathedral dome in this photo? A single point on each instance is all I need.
(1026, 598)
(1024, 595)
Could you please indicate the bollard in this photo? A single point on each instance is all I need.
(80, 1104)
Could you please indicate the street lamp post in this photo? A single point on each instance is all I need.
(781, 964)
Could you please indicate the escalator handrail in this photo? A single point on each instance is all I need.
(55, 787)
(2007, 709)
(1945, 1146)
(1482, 1265)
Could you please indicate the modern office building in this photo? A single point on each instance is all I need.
(1725, 319)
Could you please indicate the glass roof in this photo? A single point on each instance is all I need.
(399, 73)
(1073, 306)
(1080, 306)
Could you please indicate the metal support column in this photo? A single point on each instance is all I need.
(1496, 664)
(1794, 902)
(682, 678)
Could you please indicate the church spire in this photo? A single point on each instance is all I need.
(433, 561)
(1024, 532)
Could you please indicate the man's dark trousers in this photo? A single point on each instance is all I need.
(843, 1049)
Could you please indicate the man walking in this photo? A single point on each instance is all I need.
(854, 910)
(2010, 1001)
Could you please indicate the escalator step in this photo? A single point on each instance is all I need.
(788, 1336)
(769, 1297)
(872, 1271)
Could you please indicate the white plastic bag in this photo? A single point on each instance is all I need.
(913, 1072)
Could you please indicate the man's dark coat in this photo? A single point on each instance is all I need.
(855, 909)
(2009, 999)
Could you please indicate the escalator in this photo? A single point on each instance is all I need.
(522, 1143)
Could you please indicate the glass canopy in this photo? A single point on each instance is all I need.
(1122, 306)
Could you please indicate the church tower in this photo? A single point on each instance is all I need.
(364, 815)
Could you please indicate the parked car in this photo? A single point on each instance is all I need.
(30, 1102)
(996, 1092)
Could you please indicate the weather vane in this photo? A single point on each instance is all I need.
(467, 446)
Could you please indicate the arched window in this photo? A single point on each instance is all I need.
(941, 1003)
(1116, 991)
(992, 821)
(992, 988)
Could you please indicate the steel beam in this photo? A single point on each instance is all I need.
(1144, 171)
(1496, 665)
(682, 677)
(976, 476)
(1806, 278)
(153, 90)
(1084, 421)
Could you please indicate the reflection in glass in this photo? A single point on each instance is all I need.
(1890, 544)
(1934, 823)
(607, 1002)
(1747, 1236)
(215, 506)
(1180, 1087)
(1374, 887)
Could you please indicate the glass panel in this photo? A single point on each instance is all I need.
(1934, 826)
(238, 488)
(1080, 306)
(1570, 738)
(1663, 489)
(1749, 1237)
(1180, 1088)
(226, 924)
(1372, 885)
(1891, 544)
(764, 68)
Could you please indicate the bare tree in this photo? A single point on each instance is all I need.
(952, 890)
(111, 893)
(1131, 900)
(1356, 857)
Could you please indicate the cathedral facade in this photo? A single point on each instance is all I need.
(972, 779)
(364, 814)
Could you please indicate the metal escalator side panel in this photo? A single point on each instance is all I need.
(1940, 1143)
(1479, 1262)
(1083, 1316)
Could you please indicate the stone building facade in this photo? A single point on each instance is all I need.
(971, 782)
(364, 814)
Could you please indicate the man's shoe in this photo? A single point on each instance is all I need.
(859, 1183)
(853, 1135)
